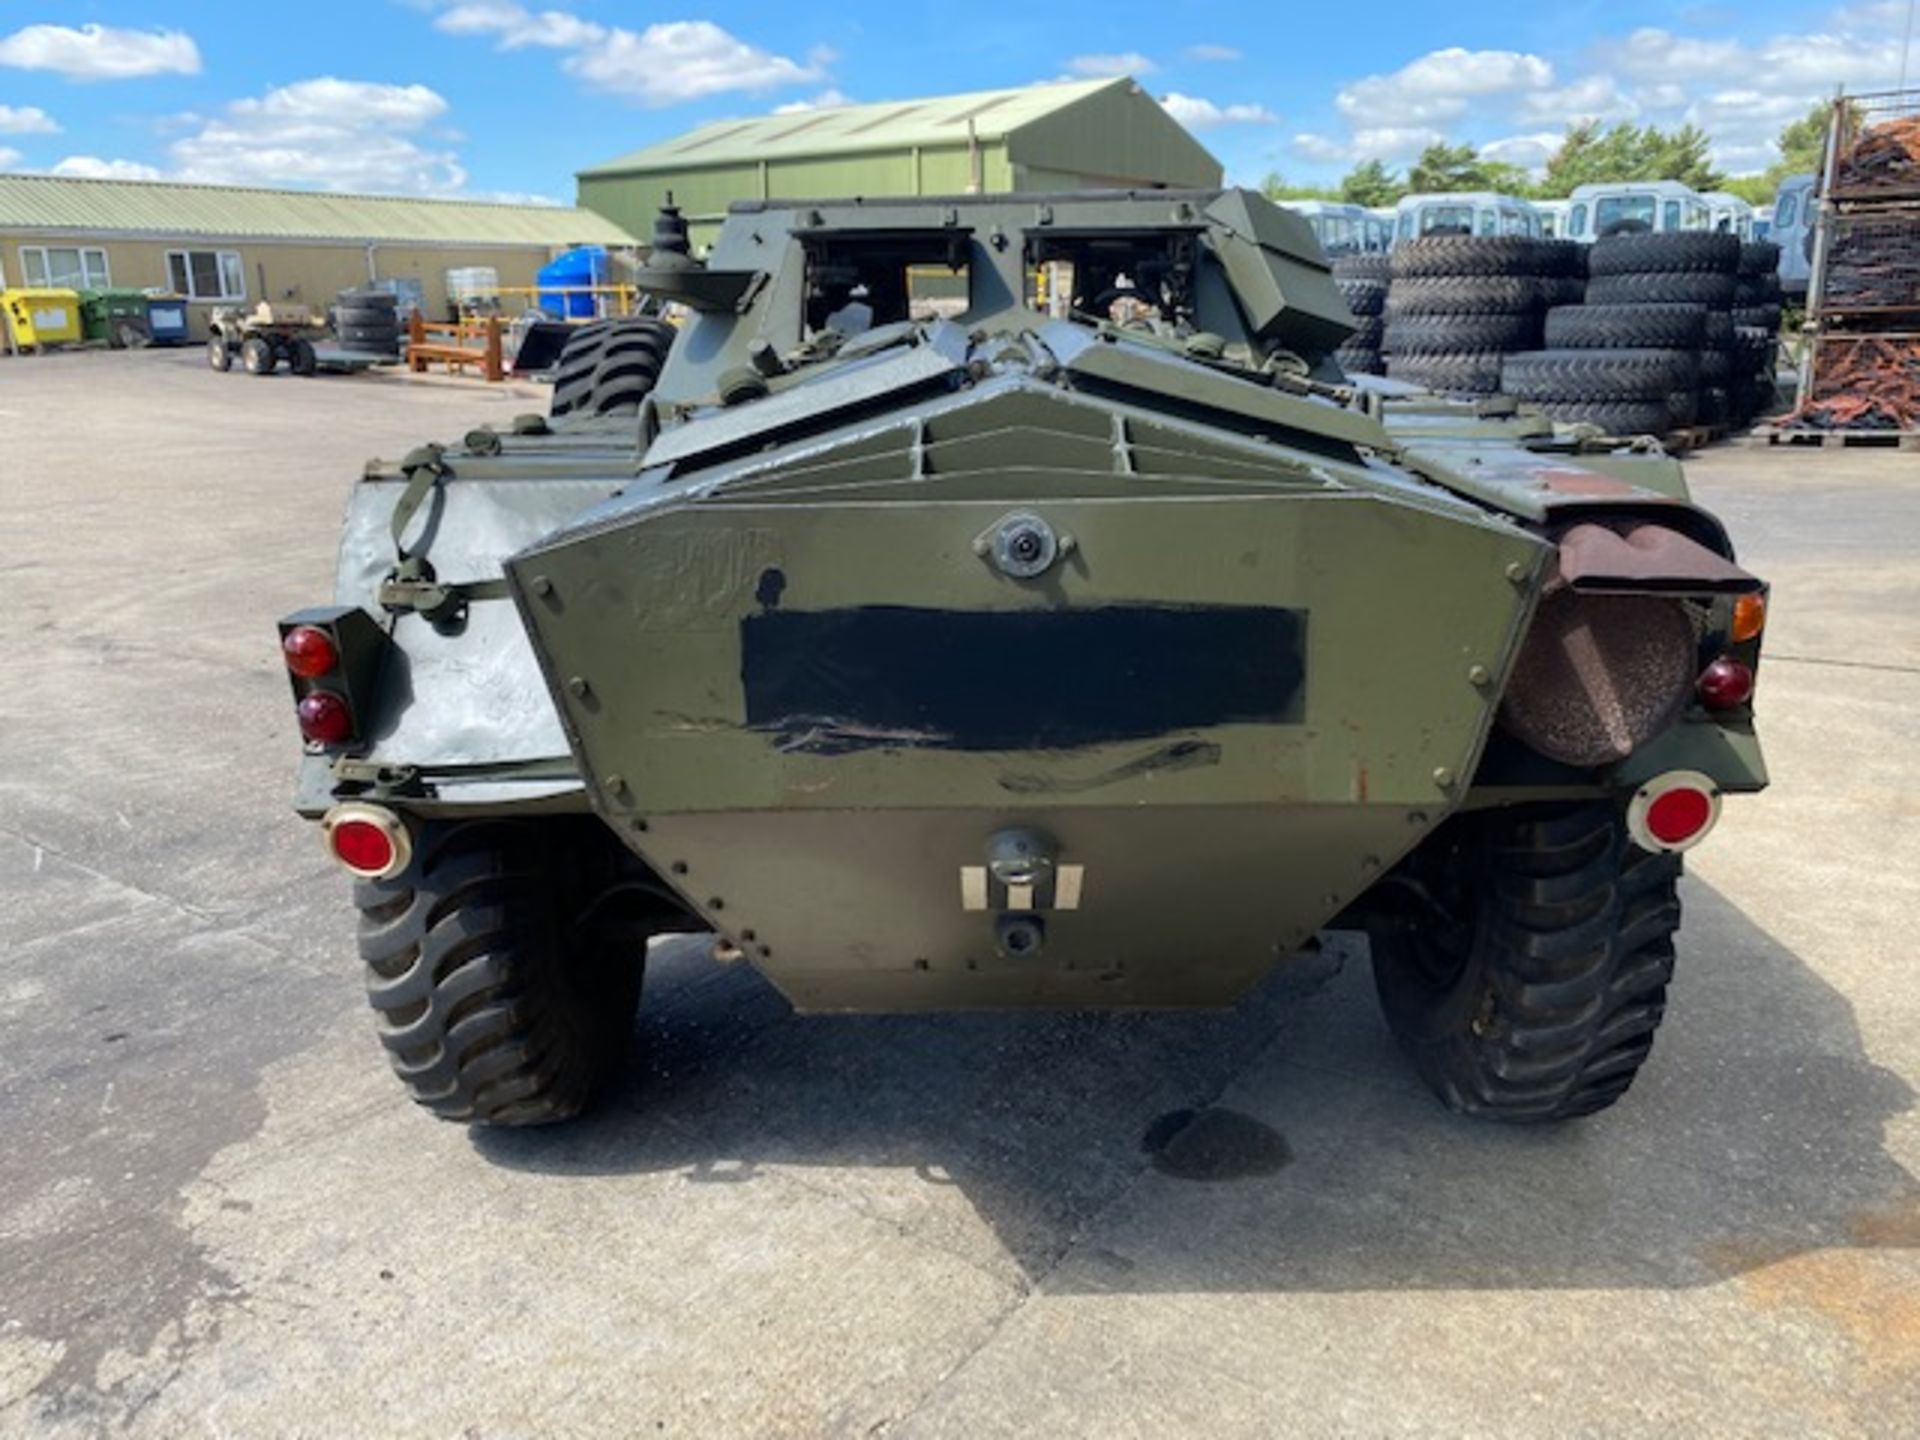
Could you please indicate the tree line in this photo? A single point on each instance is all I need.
(1592, 155)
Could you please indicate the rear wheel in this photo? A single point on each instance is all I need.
(505, 965)
(302, 359)
(609, 366)
(256, 355)
(1528, 978)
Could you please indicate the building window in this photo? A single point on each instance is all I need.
(207, 274)
(64, 267)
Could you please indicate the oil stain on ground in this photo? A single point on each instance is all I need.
(1214, 1144)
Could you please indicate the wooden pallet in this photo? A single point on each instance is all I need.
(1688, 438)
(1835, 439)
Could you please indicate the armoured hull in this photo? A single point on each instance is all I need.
(823, 692)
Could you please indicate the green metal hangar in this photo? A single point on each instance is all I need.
(1087, 135)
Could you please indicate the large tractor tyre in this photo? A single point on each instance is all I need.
(1369, 332)
(257, 355)
(1624, 418)
(1363, 297)
(1359, 360)
(1440, 334)
(1459, 256)
(1763, 290)
(1715, 367)
(1473, 372)
(301, 357)
(1531, 989)
(1679, 252)
(1719, 332)
(609, 366)
(501, 997)
(1470, 295)
(1689, 287)
(372, 337)
(219, 353)
(1363, 267)
(1765, 317)
(1599, 375)
(1563, 259)
(1626, 327)
(1760, 257)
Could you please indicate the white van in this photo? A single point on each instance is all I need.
(1729, 213)
(1635, 205)
(1793, 217)
(1464, 212)
(1344, 229)
(1553, 217)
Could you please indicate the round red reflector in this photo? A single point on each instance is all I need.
(1677, 816)
(310, 652)
(324, 718)
(362, 845)
(1725, 684)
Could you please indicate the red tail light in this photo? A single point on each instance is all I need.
(324, 718)
(1726, 684)
(310, 652)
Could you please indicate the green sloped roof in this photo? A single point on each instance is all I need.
(857, 129)
(159, 207)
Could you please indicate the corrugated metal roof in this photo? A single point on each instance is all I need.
(158, 207)
(857, 129)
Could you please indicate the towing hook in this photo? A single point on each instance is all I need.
(1020, 937)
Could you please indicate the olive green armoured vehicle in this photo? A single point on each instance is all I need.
(1004, 602)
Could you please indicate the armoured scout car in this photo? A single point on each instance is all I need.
(1005, 602)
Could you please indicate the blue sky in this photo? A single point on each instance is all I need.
(493, 98)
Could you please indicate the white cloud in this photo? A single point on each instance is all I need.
(518, 27)
(1654, 54)
(683, 60)
(26, 120)
(92, 167)
(1212, 54)
(8, 157)
(1198, 114)
(100, 52)
(1532, 151)
(514, 197)
(1591, 97)
(828, 99)
(1440, 86)
(1093, 67)
(330, 133)
(1388, 142)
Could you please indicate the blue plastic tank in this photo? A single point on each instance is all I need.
(575, 270)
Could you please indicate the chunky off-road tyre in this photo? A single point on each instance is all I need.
(1765, 317)
(1760, 257)
(1368, 333)
(1359, 360)
(1362, 267)
(1625, 418)
(1688, 287)
(1363, 297)
(301, 357)
(1626, 327)
(501, 997)
(1471, 295)
(1705, 252)
(1532, 989)
(219, 354)
(1565, 259)
(1473, 372)
(609, 366)
(1757, 290)
(1599, 374)
(1438, 334)
(1563, 290)
(257, 356)
(1462, 255)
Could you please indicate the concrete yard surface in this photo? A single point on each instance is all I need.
(220, 1216)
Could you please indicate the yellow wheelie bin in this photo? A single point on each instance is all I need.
(42, 317)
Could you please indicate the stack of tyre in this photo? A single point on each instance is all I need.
(1650, 349)
(367, 320)
(1757, 306)
(1363, 283)
(1458, 305)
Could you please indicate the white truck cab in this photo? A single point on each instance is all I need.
(1635, 205)
(1465, 212)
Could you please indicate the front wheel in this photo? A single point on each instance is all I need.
(219, 357)
(503, 973)
(256, 355)
(1527, 975)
